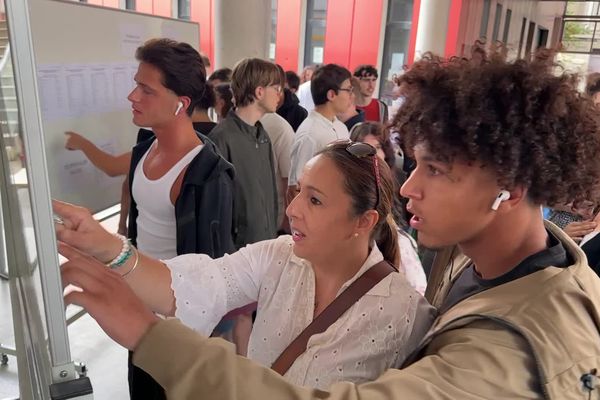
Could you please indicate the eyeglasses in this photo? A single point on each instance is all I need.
(362, 150)
(277, 88)
(349, 90)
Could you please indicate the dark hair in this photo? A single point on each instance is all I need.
(530, 127)
(593, 84)
(292, 79)
(249, 74)
(360, 184)
(379, 131)
(205, 61)
(326, 78)
(181, 66)
(223, 90)
(382, 133)
(366, 70)
(222, 74)
(208, 99)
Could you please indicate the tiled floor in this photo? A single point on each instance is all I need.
(106, 361)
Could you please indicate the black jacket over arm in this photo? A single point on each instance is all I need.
(203, 209)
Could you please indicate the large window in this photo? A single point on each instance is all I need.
(316, 14)
(183, 9)
(497, 18)
(506, 25)
(581, 27)
(395, 47)
(485, 17)
(273, 30)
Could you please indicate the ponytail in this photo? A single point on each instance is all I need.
(387, 241)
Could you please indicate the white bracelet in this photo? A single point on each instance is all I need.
(123, 255)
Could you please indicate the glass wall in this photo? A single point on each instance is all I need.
(183, 9)
(395, 47)
(273, 36)
(581, 29)
(316, 14)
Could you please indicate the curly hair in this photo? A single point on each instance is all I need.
(532, 128)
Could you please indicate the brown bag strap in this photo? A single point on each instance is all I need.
(332, 312)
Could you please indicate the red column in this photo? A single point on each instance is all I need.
(453, 25)
(366, 28)
(288, 33)
(111, 3)
(201, 11)
(338, 32)
(162, 8)
(413, 32)
(144, 6)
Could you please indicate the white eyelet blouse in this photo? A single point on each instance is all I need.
(376, 333)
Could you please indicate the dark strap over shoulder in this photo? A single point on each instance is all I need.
(332, 312)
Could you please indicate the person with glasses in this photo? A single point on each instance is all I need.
(352, 116)
(518, 305)
(332, 94)
(281, 135)
(341, 228)
(375, 110)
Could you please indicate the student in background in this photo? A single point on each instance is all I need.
(223, 100)
(332, 93)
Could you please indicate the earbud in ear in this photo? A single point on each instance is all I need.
(502, 196)
(179, 107)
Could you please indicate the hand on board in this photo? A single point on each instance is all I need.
(75, 141)
(79, 229)
(106, 297)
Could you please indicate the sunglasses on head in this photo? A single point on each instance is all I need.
(362, 150)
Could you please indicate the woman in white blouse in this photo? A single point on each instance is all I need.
(341, 226)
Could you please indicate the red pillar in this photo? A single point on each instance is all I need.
(144, 6)
(453, 25)
(413, 32)
(338, 32)
(366, 28)
(111, 3)
(201, 11)
(162, 8)
(287, 36)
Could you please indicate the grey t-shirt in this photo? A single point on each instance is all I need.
(469, 282)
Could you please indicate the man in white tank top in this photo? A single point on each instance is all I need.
(181, 188)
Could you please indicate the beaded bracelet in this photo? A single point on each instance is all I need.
(124, 255)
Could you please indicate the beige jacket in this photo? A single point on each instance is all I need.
(532, 338)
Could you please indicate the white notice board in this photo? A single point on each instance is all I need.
(85, 62)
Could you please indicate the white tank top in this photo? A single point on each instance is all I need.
(156, 228)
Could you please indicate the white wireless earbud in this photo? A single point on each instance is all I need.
(179, 107)
(502, 196)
